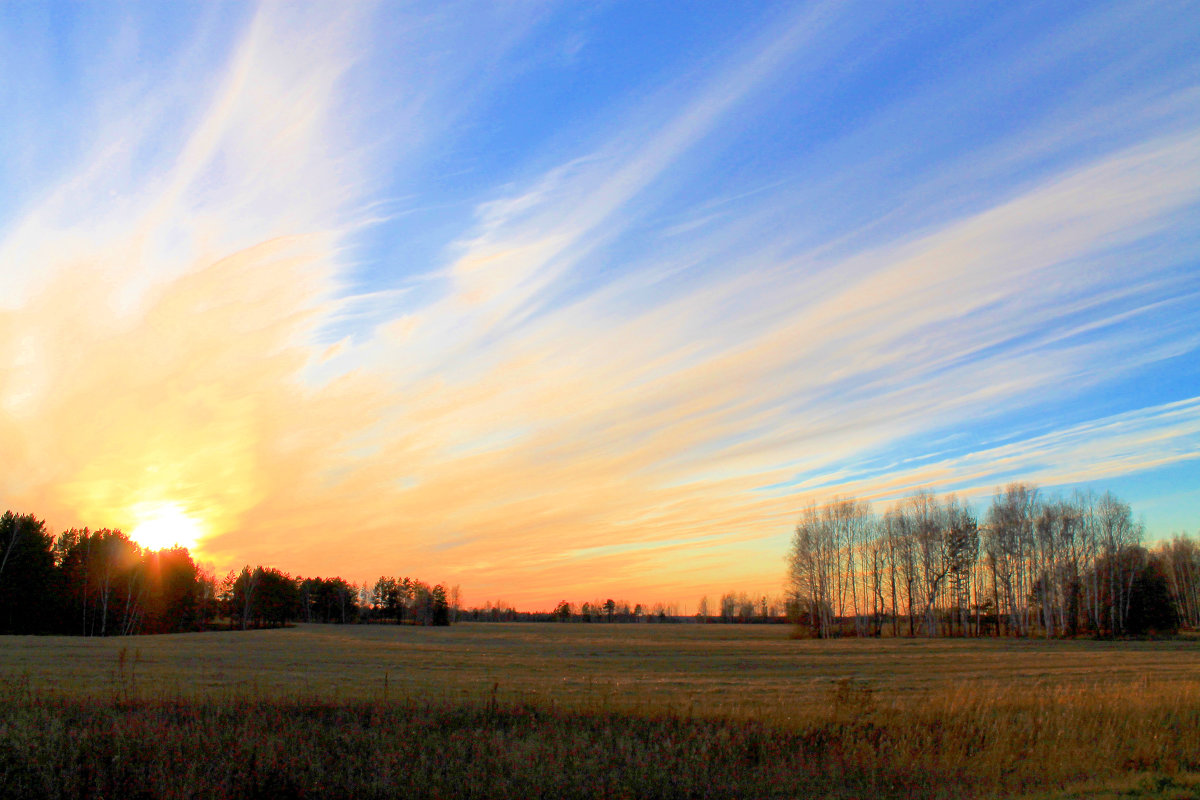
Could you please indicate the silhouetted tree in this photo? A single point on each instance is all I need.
(1151, 608)
(336, 600)
(562, 611)
(276, 597)
(27, 577)
(430, 605)
(175, 591)
(439, 607)
(387, 593)
(237, 595)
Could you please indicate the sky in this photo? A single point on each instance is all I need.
(587, 300)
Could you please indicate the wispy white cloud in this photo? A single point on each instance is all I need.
(1099, 449)
(600, 379)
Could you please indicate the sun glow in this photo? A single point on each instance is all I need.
(165, 525)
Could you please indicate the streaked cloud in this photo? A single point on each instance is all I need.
(616, 376)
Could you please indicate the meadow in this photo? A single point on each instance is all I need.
(578, 710)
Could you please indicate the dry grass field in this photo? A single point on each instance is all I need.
(511, 710)
(710, 669)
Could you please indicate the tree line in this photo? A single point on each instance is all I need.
(613, 611)
(733, 607)
(1032, 565)
(101, 583)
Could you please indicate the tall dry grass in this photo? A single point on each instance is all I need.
(850, 740)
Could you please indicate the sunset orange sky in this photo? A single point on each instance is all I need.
(574, 301)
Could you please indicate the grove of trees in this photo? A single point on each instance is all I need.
(95, 583)
(1031, 565)
(101, 583)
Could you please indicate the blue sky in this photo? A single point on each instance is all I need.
(553, 300)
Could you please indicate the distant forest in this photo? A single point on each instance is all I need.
(1031, 566)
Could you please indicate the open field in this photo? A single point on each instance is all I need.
(598, 710)
(711, 669)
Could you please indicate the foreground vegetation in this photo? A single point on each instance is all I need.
(856, 746)
(594, 711)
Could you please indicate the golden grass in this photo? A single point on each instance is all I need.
(721, 669)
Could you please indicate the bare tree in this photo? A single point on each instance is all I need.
(809, 571)
(1118, 534)
(1009, 546)
(1182, 559)
(454, 598)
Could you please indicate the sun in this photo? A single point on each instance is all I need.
(165, 525)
